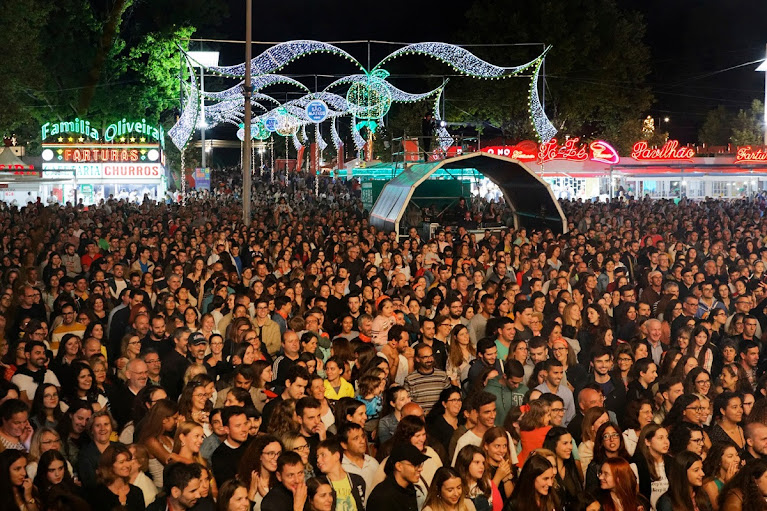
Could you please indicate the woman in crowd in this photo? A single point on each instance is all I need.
(728, 413)
(84, 387)
(644, 372)
(460, 355)
(156, 435)
(608, 444)
(534, 490)
(44, 439)
(113, 474)
(46, 407)
(651, 459)
(685, 478)
(476, 483)
(720, 466)
(138, 474)
(444, 417)
(747, 490)
(569, 481)
(592, 420)
(233, 497)
(54, 475)
(258, 467)
(320, 495)
(618, 488)
(638, 415)
(297, 443)
(495, 444)
(533, 427)
(446, 493)
(100, 429)
(16, 488)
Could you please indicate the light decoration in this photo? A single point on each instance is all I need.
(296, 143)
(369, 96)
(670, 151)
(335, 137)
(359, 140)
(370, 99)
(280, 55)
(444, 138)
(182, 131)
(321, 144)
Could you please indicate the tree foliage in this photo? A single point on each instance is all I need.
(723, 127)
(596, 69)
(94, 59)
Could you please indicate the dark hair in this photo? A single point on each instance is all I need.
(572, 480)
(485, 344)
(744, 483)
(679, 489)
(251, 458)
(343, 432)
(41, 480)
(312, 485)
(631, 419)
(178, 475)
(226, 492)
(38, 409)
(105, 471)
(478, 400)
(304, 403)
(346, 406)
(288, 458)
(520, 499)
(721, 401)
(7, 458)
(231, 411)
(676, 414)
(10, 408)
(600, 453)
(680, 436)
(462, 462)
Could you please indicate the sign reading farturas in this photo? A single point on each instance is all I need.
(114, 132)
(748, 154)
(669, 151)
(571, 150)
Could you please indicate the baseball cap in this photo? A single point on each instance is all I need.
(407, 452)
(197, 338)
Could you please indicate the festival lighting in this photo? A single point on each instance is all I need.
(182, 131)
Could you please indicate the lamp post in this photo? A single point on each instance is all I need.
(247, 91)
(203, 59)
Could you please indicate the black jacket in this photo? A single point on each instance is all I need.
(358, 489)
(279, 498)
(615, 400)
(388, 496)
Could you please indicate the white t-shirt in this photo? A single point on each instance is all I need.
(659, 487)
(27, 384)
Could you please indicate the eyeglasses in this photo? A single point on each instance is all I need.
(271, 454)
(557, 410)
(610, 436)
(697, 440)
(703, 382)
(300, 448)
(699, 409)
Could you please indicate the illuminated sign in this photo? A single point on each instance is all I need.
(524, 151)
(105, 171)
(669, 151)
(572, 150)
(15, 167)
(88, 155)
(748, 155)
(113, 132)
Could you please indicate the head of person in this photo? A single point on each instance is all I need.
(320, 495)
(685, 477)
(537, 477)
(290, 470)
(233, 496)
(616, 476)
(114, 463)
(236, 424)
(181, 483)
(446, 489)
(14, 417)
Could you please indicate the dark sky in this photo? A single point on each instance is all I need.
(689, 40)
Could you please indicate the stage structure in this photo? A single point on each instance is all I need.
(530, 198)
(367, 99)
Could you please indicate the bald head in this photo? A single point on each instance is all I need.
(756, 439)
(588, 398)
(413, 409)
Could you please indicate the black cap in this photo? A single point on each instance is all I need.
(407, 452)
(197, 338)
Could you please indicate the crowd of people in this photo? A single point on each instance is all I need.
(165, 356)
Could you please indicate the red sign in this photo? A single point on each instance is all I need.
(748, 155)
(87, 155)
(572, 150)
(11, 166)
(670, 151)
(524, 151)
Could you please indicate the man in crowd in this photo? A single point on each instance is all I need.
(425, 383)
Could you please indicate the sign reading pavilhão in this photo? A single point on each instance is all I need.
(113, 133)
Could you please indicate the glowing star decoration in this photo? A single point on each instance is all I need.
(670, 151)
(370, 99)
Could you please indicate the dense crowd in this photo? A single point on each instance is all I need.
(164, 356)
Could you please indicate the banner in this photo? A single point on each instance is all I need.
(202, 178)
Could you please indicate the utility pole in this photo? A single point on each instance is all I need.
(247, 90)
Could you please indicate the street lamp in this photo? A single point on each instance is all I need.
(203, 59)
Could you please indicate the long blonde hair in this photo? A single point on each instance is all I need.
(184, 428)
(566, 316)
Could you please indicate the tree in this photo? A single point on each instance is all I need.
(748, 126)
(596, 69)
(716, 128)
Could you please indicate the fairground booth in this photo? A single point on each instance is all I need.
(88, 163)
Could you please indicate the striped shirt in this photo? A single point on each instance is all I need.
(424, 389)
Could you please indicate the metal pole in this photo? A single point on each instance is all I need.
(202, 114)
(247, 91)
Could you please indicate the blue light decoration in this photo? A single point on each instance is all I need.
(368, 98)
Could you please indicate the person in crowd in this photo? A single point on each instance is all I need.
(258, 466)
(113, 474)
(181, 488)
(685, 478)
(720, 466)
(618, 488)
(535, 489)
(290, 491)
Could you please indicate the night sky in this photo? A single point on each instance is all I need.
(687, 39)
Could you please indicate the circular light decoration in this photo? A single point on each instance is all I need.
(47, 155)
(287, 125)
(153, 155)
(258, 130)
(370, 99)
